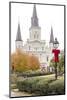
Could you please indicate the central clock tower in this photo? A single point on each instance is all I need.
(35, 30)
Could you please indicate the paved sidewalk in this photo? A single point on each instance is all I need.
(16, 94)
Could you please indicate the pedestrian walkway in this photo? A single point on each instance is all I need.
(18, 94)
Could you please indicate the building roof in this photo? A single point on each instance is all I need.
(34, 19)
(51, 36)
(18, 37)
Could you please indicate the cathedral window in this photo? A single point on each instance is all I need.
(35, 32)
(29, 47)
(19, 46)
(34, 36)
(47, 58)
(35, 49)
(42, 48)
(37, 35)
(40, 55)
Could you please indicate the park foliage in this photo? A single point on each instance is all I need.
(22, 61)
(60, 64)
(42, 85)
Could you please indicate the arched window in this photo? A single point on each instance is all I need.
(34, 36)
(47, 58)
(29, 47)
(37, 35)
(40, 55)
(42, 48)
(35, 48)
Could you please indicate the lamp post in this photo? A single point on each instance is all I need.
(56, 44)
(56, 53)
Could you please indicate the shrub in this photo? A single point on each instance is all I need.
(13, 78)
(36, 85)
(13, 86)
(56, 87)
(42, 88)
(42, 85)
(33, 87)
(34, 73)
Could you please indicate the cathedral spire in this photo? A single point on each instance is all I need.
(18, 37)
(34, 19)
(51, 36)
(34, 11)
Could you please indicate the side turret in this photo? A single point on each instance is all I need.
(18, 41)
(51, 39)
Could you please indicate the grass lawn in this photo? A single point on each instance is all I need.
(42, 85)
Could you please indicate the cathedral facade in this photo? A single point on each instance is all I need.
(34, 44)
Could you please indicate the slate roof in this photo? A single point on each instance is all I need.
(51, 36)
(34, 19)
(18, 37)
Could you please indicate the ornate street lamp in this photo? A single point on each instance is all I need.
(56, 53)
(56, 44)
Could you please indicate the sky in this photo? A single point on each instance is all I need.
(48, 16)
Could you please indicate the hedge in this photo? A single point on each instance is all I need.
(33, 73)
(57, 87)
(41, 86)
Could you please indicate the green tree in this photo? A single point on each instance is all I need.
(52, 63)
(61, 64)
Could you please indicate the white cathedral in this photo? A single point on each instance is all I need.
(34, 44)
